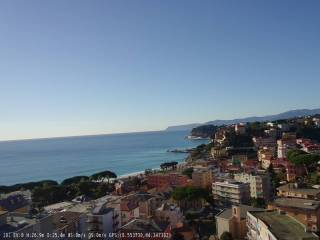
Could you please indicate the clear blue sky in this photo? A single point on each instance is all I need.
(88, 67)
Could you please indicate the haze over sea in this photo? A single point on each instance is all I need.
(60, 158)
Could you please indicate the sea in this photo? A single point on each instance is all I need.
(60, 158)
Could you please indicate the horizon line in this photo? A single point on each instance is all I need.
(146, 131)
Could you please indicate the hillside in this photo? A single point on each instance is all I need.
(284, 115)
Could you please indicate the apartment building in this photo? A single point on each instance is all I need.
(264, 141)
(202, 178)
(161, 180)
(231, 192)
(102, 220)
(274, 225)
(240, 128)
(304, 210)
(260, 185)
(293, 190)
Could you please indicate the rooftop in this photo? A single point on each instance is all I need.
(227, 213)
(3, 212)
(283, 226)
(63, 219)
(293, 188)
(16, 221)
(141, 225)
(58, 206)
(297, 203)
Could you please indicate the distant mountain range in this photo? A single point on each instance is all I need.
(284, 115)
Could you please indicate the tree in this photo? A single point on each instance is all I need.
(273, 177)
(148, 171)
(189, 193)
(204, 131)
(226, 236)
(166, 165)
(101, 175)
(75, 179)
(258, 202)
(302, 158)
(188, 172)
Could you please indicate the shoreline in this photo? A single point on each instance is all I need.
(120, 177)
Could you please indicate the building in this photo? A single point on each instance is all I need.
(218, 152)
(145, 228)
(273, 225)
(288, 138)
(220, 136)
(58, 207)
(69, 222)
(102, 220)
(170, 213)
(266, 155)
(304, 210)
(237, 159)
(19, 201)
(233, 220)
(240, 128)
(272, 132)
(3, 217)
(260, 185)
(231, 192)
(287, 142)
(161, 180)
(129, 208)
(284, 127)
(32, 227)
(148, 203)
(293, 190)
(202, 178)
(264, 141)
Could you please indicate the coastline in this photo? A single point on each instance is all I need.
(126, 155)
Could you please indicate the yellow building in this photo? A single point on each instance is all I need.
(202, 178)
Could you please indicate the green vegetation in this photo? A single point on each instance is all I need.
(168, 165)
(188, 172)
(189, 193)
(75, 179)
(258, 202)
(309, 132)
(275, 181)
(199, 151)
(204, 131)
(301, 158)
(48, 192)
(226, 236)
(313, 179)
(147, 171)
(102, 175)
(236, 140)
(256, 129)
(27, 186)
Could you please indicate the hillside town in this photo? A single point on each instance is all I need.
(255, 181)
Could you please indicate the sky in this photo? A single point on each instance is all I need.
(92, 67)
